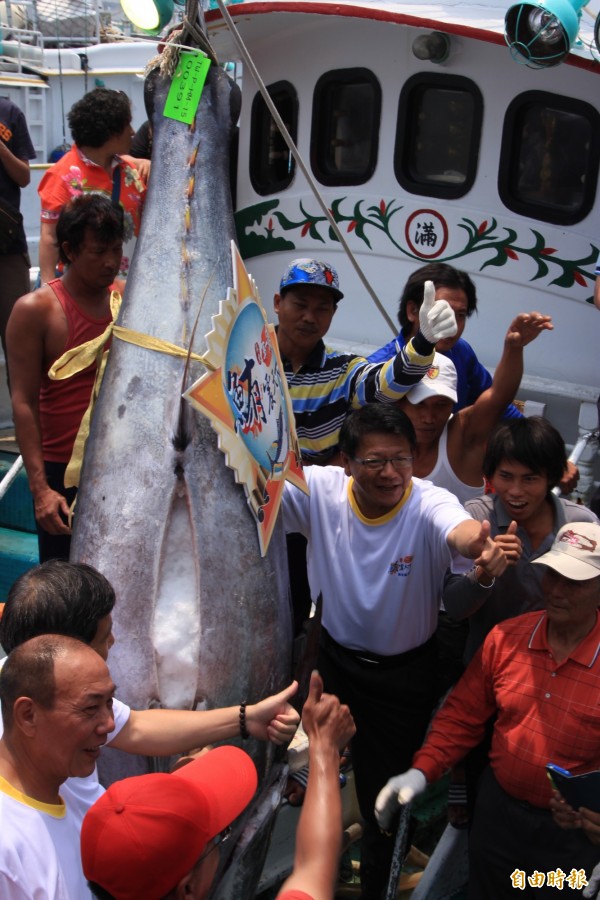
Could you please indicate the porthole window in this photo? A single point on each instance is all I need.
(437, 135)
(550, 156)
(272, 165)
(345, 126)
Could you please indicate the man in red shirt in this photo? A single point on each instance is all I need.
(58, 316)
(97, 162)
(539, 675)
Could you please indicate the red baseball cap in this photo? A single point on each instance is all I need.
(147, 832)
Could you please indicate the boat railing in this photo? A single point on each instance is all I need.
(22, 50)
(30, 26)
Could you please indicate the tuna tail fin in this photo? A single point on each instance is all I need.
(194, 29)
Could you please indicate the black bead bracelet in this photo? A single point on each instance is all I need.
(243, 730)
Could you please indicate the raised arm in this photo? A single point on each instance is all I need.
(163, 732)
(478, 420)
(329, 727)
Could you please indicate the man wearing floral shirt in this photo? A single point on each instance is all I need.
(101, 128)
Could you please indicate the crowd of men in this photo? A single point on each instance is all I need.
(428, 492)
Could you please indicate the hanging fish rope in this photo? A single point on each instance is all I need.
(60, 80)
(248, 61)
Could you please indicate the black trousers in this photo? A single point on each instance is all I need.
(55, 546)
(391, 699)
(512, 838)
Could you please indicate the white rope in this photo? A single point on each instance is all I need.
(10, 476)
(300, 163)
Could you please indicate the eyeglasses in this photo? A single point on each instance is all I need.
(376, 465)
(220, 838)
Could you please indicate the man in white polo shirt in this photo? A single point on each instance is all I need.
(379, 543)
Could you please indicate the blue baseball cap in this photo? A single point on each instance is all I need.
(311, 271)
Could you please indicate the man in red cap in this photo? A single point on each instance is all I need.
(154, 836)
(59, 710)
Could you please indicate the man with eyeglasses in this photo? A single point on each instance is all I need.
(325, 385)
(379, 544)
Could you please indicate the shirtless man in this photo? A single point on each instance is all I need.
(62, 314)
(450, 451)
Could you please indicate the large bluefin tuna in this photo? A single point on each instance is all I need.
(201, 619)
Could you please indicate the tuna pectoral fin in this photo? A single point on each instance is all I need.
(175, 631)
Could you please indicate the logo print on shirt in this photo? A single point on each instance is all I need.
(401, 567)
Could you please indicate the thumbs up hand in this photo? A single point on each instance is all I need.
(436, 317)
(510, 543)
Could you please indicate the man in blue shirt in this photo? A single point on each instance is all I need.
(457, 288)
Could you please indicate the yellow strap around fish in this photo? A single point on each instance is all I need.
(78, 358)
(153, 343)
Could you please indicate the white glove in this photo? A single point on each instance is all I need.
(399, 790)
(436, 317)
(592, 891)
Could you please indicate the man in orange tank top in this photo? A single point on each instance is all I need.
(64, 313)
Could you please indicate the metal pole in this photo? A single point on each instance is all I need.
(399, 852)
(300, 162)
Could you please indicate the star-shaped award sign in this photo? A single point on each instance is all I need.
(246, 398)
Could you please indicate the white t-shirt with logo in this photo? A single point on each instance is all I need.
(381, 579)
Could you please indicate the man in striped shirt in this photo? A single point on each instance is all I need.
(325, 385)
(539, 675)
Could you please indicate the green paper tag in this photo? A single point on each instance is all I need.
(186, 88)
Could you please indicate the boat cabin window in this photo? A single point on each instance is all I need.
(550, 156)
(437, 135)
(271, 162)
(345, 126)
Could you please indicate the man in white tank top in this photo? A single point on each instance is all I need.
(450, 449)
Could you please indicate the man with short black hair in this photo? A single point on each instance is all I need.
(325, 385)
(97, 162)
(57, 317)
(379, 543)
(456, 288)
(56, 696)
(75, 600)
